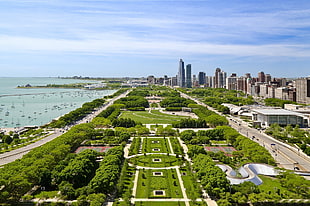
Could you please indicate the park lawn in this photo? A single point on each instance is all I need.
(147, 160)
(151, 143)
(272, 185)
(153, 117)
(168, 182)
(159, 203)
(177, 149)
(189, 185)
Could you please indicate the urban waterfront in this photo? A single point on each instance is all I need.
(37, 106)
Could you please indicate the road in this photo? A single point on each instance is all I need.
(285, 155)
(13, 155)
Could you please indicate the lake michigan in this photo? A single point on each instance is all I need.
(37, 106)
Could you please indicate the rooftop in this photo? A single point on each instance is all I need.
(276, 112)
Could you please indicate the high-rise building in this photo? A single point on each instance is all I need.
(201, 78)
(231, 82)
(217, 74)
(189, 76)
(195, 81)
(267, 78)
(303, 90)
(219, 78)
(261, 77)
(210, 81)
(181, 74)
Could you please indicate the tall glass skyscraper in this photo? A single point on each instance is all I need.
(189, 76)
(181, 74)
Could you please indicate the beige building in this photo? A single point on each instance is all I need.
(303, 90)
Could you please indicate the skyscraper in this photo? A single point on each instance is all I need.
(189, 76)
(303, 90)
(217, 74)
(201, 78)
(261, 77)
(220, 78)
(181, 74)
(267, 78)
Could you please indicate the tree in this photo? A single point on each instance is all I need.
(195, 150)
(96, 199)
(67, 190)
(7, 139)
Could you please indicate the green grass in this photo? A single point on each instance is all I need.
(177, 149)
(147, 161)
(190, 184)
(155, 117)
(272, 185)
(162, 145)
(128, 182)
(159, 204)
(168, 182)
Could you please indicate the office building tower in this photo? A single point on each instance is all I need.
(303, 90)
(220, 78)
(261, 77)
(267, 78)
(201, 78)
(222, 81)
(217, 74)
(194, 81)
(181, 74)
(231, 82)
(210, 81)
(189, 76)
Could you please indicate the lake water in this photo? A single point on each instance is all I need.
(37, 106)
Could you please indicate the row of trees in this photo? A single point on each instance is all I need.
(124, 122)
(133, 102)
(217, 96)
(209, 116)
(293, 135)
(175, 102)
(112, 112)
(273, 102)
(109, 137)
(202, 136)
(35, 167)
(212, 178)
(79, 170)
(190, 123)
(77, 114)
(139, 92)
(108, 173)
(117, 93)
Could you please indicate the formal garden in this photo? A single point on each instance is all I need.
(158, 183)
(133, 167)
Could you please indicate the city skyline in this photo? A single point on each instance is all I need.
(128, 38)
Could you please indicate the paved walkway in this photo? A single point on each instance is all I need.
(177, 168)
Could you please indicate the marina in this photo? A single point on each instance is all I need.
(35, 107)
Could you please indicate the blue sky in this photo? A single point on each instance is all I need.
(137, 38)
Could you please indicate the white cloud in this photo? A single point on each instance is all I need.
(108, 44)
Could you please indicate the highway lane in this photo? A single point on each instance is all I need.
(13, 155)
(285, 155)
